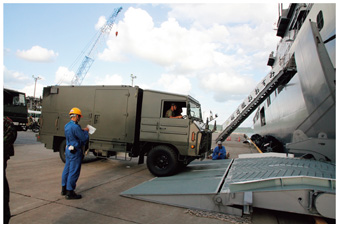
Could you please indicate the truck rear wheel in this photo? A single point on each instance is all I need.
(62, 151)
(162, 161)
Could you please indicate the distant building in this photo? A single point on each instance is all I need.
(33, 103)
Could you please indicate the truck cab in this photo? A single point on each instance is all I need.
(15, 108)
(175, 141)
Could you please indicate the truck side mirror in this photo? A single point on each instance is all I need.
(214, 127)
(213, 117)
(207, 126)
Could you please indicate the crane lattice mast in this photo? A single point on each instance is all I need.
(89, 58)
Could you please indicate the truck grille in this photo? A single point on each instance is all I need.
(206, 141)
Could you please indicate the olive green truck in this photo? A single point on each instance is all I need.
(130, 120)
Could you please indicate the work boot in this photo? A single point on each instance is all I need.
(63, 190)
(72, 195)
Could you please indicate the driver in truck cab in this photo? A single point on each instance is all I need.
(75, 139)
(171, 112)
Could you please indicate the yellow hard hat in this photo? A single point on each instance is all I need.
(75, 111)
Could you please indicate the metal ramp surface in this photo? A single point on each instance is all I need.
(273, 173)
(233, 186)
(195, 188)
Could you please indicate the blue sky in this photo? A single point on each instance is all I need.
(215, 52)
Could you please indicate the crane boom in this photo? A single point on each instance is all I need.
(89, 58)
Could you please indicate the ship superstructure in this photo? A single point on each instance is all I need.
(295, 103)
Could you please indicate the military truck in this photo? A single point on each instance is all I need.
(130, 120)
(15, 108)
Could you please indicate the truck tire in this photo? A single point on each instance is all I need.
(62, 148)
(162, 161)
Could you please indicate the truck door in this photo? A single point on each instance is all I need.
(173, 129)
(110, 113)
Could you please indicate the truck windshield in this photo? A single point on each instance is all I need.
(14, 98)
(19, 100)
(194, 110)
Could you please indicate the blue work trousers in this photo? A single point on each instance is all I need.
(222, 156)
(72, 169)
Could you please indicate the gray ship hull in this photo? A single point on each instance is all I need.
(304, 107)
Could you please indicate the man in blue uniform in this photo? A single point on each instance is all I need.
(75, 139)
(220, 152)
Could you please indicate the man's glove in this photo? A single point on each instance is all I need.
(71, 149)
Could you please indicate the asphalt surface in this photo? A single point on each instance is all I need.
(34, 176)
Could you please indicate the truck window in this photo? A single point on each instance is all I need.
(195, 110)
(181, 108)
(262, 116)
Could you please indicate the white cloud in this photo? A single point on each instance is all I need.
(63, 76)
(205, 15)
(101, 22)
(216, 44)
(13, 77)
(109, 80)
(226, 86)
(169, 45)
(175, 83)
(29, 89)
(37, 54)
(20, 82)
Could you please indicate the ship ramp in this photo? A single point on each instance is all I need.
(235, 186)
(257, 96)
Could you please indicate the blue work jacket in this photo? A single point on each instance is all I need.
(75, 136)
(218, 150)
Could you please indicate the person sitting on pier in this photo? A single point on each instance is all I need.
(220, 152)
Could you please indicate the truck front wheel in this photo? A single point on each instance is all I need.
(162, 161)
